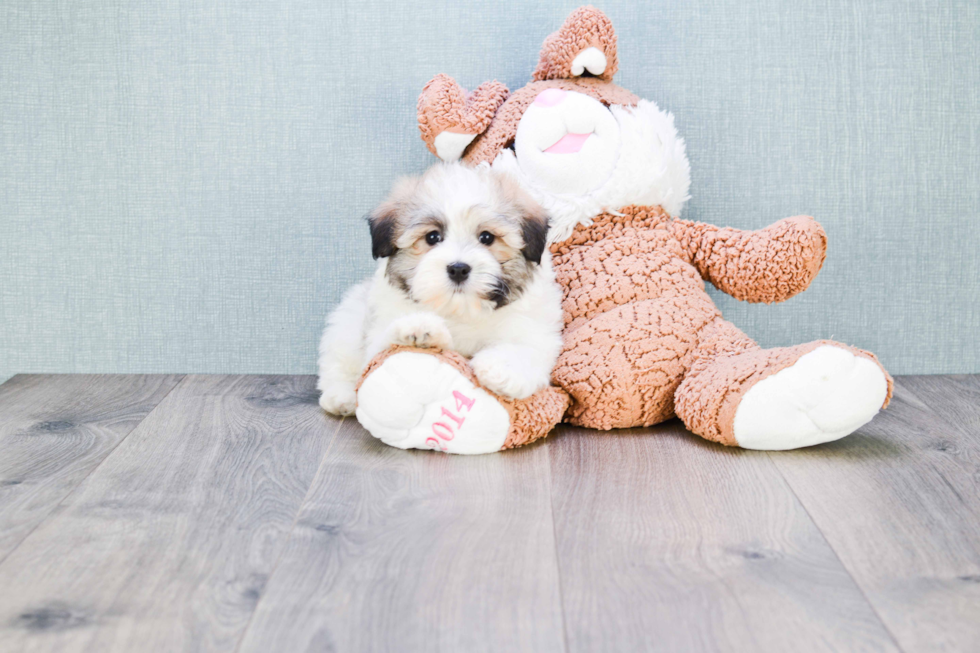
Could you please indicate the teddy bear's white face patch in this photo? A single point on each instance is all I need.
(567, 142)
(649, 166)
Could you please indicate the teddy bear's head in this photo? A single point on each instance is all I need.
(576, 141)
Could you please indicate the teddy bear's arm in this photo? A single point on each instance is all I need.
(767, 265)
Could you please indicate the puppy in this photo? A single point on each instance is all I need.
(463, 267)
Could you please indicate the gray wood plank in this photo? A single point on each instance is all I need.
(168, 545)
(415, 551)
(953, 398)
(670, 543)
(54, 430)
(899, 501)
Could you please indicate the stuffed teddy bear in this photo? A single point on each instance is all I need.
(643, 341)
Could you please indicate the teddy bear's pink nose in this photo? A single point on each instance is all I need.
(550, 97)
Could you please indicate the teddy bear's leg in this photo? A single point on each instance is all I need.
(622, 367)
(427, 399)
(738, 394)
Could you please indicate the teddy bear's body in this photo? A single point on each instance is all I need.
(643, 341)
(638, 318)
(634, 307)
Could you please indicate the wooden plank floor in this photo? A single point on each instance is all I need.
(228, 513)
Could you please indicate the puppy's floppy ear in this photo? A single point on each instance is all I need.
(534, 230)
(383, 222)
(386, 221)
(533, 218)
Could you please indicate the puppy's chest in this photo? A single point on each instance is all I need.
(469, 338)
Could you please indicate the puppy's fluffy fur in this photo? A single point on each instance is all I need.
(464, 267)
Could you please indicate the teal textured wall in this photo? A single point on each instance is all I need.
(182, 183)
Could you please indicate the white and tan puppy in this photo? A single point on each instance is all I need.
(463, 267)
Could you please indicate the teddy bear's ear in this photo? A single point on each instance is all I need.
(584, 46)
(450, 118)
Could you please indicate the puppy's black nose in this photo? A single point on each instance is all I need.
(458, 272)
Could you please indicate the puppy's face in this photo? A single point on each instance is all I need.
(459, 240)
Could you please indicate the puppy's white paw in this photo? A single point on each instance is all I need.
(337, 401)
(424, 330)
(502, 376)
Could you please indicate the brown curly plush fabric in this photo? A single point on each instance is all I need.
(586, 27)
(707, 399)
(533, 418)
(530, 419)
(644, 341)
(445, 106)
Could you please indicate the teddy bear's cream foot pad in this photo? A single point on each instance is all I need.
(416, 401)
(825, 395)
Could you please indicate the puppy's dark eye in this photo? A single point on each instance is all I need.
(433, 237)
(486, 238)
